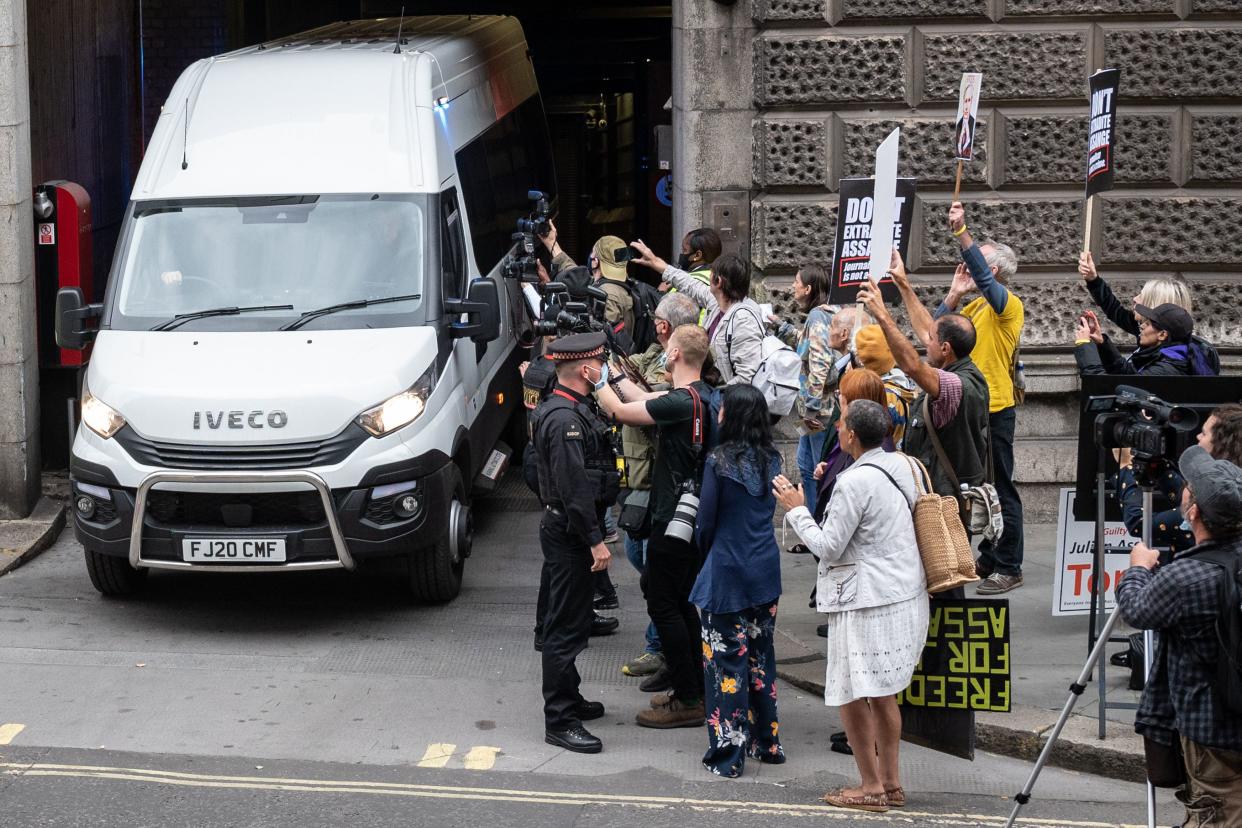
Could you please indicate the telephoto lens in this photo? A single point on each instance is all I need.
(681, 527)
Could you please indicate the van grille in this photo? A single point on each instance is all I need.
(236, 510)
(221, 456)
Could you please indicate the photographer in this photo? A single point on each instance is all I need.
(1221, 437)
(638, 449)
(610, 275)
(1183, 705)
(672, 564)
(735, 327)
(1167, 346)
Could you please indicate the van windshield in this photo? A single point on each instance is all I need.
(189, 256)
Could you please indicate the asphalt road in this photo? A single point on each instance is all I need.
(329, 699)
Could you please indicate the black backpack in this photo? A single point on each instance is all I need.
(1228, 681)
(645, 299)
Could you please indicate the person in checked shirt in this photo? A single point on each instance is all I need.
(1182, 601)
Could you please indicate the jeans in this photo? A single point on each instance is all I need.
(636, 552)
(1005, 556)
(810, 447)
(672, 567)
(739, 683)
(566, 619)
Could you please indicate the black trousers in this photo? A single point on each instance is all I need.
(566, 618)
(600, 581)
(1005, 556)
(672, 567)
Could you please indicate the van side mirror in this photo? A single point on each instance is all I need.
(72, 312)
(482, 309)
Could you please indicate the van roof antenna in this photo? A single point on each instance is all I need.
(396, 49)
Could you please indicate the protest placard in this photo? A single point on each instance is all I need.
(965, 663)
(1101, 141)
(967, 116)
(851, 258)
(1073, 583)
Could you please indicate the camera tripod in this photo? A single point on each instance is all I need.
(1076, 689)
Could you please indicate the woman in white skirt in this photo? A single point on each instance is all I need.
(871, 580)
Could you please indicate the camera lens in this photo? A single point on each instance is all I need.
(681, 527)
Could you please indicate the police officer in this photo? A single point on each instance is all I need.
(577, 480)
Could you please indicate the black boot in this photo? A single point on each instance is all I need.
(578, 739)
(604, 625)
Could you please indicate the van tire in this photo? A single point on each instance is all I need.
(435, 576)
(113, 576)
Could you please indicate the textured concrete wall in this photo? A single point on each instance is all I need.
(19, 375)
(832, 77)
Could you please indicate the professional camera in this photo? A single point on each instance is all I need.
(681, 527)
(562, 317)
(521, 264)
(1134, 419)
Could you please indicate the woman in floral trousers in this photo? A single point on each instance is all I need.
(738, 587)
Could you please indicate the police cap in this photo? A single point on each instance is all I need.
(577, 346)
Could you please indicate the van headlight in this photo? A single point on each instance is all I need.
(98, 416)
(401, 409)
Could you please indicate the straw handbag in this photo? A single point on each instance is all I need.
(948, 560)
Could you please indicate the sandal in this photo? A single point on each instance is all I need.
(873, 803)
(896, 797)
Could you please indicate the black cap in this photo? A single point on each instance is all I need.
(1171, 318)
(1215, 484)
(576, 280)
(577, 346)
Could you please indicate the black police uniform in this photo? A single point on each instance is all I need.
(578, 479)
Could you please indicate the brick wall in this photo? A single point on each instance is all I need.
(175, 33)
(832, 77)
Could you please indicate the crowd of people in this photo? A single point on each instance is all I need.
(878, 425)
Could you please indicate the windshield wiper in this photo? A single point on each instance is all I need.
(182, 318)
(357, 303)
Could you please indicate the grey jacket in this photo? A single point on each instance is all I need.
(737, 338)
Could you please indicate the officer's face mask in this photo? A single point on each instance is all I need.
(603, 378)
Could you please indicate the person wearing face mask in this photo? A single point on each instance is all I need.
(735, 327)
(1166, 346)
(578, 480)
(699, 249)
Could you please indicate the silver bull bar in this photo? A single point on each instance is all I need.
(344, 559)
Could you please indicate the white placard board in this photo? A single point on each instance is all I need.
(1072, 584)
(883, 213)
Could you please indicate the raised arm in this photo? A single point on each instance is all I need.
(627, 413)
(676, 277)
(1104, 297)
(980, 271)
(920, 320)
(927, 377)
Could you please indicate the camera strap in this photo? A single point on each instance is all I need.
(696, 422)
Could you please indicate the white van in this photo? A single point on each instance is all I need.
(306, 355)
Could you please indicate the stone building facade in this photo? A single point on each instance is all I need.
(789, 96)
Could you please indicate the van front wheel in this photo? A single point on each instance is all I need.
(113, 576)
(436, 571)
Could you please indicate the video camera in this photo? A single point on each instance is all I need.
(562, 316)
(1149, 427)
(521, 264)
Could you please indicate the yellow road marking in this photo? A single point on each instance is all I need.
(507, 795)
(481, 757)
(8, 731)
(437, 755)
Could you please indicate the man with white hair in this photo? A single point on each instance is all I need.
(989, 267)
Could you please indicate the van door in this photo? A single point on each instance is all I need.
(467, 355)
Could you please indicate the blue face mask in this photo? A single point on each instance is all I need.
(603, 378)
(1184, 525)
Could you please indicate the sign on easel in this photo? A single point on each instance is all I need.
(1073, 584)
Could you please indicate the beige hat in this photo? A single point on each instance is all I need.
(605, 250)
(873, 350)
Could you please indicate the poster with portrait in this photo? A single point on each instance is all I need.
(851, 256)
(1102, 131)
(967, 116)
